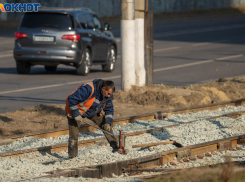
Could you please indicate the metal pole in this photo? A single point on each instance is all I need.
(139, 43)
(149, 49)
(128, 44)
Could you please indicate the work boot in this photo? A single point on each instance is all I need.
(117, 150)
(113, 145)
(114, 150)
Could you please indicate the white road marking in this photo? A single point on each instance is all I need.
(206, 43)
(229, 57)
(6, 55)
(119, 76)
(183, 65)
(56, 85)
(197, 63)
(166, 49)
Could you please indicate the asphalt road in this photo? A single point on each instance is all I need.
(185, 52)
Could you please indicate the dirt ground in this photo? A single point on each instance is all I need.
(139, 100)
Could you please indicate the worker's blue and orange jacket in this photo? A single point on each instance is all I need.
(87, 101)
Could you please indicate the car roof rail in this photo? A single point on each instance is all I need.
(82, 8)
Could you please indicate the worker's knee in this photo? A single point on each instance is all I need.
(72, 122)
(99, 120)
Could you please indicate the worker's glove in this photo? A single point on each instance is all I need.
(79, 120)
(107, 127)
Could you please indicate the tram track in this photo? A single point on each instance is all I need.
(63, 146)
(149, 161)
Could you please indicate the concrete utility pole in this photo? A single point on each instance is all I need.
(128, 44)
(139, 43)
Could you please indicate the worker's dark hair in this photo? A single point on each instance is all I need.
(108, 84)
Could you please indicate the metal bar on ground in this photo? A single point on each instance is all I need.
(152, 144)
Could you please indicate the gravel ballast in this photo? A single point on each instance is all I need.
(33, 164)
(139, 125)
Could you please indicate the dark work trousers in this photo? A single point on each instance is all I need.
(74, 133)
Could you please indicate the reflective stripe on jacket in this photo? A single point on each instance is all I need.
(82, 106)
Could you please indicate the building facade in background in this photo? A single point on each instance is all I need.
(110, 8)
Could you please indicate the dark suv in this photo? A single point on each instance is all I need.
(64, 36)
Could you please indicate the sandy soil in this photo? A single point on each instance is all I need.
(139, 100)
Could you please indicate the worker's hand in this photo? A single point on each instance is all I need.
(107, 127)
(79, 120)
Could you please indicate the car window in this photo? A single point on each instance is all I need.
(97, 23)
(82, 21)
(89, 20)
(47, 20)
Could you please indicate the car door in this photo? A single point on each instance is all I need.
(103, 39)
(94, 36)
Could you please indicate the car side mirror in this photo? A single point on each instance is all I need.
(107, 26)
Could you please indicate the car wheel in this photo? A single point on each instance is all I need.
(111, 63)
(50, 68)
(84, 67)
(23, 67)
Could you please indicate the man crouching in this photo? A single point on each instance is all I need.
(92, 100)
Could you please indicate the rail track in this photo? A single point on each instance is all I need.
(117, 168)
(155, 115)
